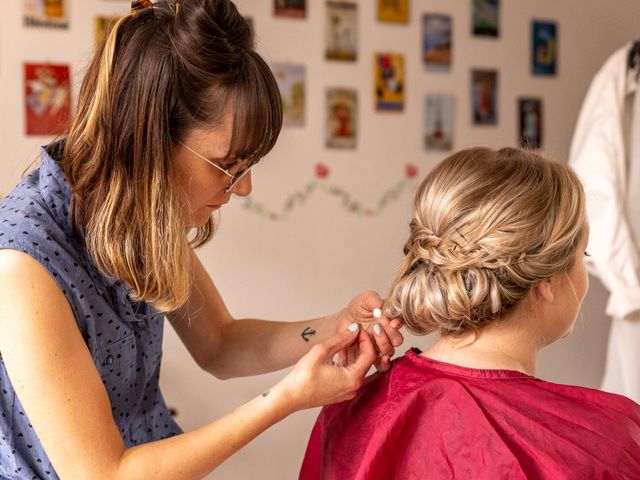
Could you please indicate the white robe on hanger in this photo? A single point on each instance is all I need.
(600, 155)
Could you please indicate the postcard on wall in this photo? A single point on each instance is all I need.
(485, 18)
(342, 31)
(47, 98)
(395, 11)
(342, 118)
(389, 81)
(484, 97)
(290, 8)
(436, 40)
(45, 13)
(530, 114)
(438, 133)
(544, 48)
(291, 80)
(102, 26)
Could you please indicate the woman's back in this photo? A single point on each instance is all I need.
(430, 419)
(495, 263)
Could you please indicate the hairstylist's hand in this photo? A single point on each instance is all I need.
(316, 380)
(383, 331)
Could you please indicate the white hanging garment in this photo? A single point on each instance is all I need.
(600, 156)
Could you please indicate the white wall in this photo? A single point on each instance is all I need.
(313, 262)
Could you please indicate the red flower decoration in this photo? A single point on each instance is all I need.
(273, 216)
(412, 170)
(322, 171)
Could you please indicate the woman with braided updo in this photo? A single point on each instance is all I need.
(494, 264)
(97, 251)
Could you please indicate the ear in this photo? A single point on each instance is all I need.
(544, 290)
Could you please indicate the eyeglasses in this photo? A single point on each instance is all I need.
(235, 177)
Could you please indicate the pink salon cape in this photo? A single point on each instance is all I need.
(432, 420)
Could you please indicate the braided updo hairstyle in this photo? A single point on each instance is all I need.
(488, 225)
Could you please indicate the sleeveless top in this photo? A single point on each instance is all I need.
(123, 336)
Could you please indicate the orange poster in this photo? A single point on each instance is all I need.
(45, 13)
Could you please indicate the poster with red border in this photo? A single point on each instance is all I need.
(47, 98)
(290, 8)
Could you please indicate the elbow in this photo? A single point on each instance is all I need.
(219, 373)
(214, 366)
(217, 358)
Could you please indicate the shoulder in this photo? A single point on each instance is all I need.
(26, 291)
(34, 219)
(22, 275)
(26, 215)
(375, 397)
(602, 403)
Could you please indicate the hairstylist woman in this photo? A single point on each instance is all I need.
(96, 248)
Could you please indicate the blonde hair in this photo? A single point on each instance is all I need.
(157, 76)
(488, 225)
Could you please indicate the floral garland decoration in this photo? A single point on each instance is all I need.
(319, 184)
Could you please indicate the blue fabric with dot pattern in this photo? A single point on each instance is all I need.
(123, 336)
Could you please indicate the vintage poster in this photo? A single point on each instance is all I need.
(102, 26)
(530, 114)
(485, 18)
(290, 8)
(436, 40)
(438, 133)
(484, 97)
(47, 99)
(394, 11)
(291, 80)
(544, 48)
(45, 14)
(342, 118)
(342, 31)
(389, 81)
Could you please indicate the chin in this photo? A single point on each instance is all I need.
(567, 333)
(198, 219)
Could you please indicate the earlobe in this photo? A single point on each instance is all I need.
(544, 290)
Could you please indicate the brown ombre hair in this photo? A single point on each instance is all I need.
(157, 76)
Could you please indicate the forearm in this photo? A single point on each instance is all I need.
(252, 347)
(195, 454)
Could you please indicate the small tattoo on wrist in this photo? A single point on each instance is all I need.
(266, 393)
(306, 333)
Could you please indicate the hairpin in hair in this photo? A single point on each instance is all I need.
(141, 7)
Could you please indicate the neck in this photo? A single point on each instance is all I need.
(509, 344)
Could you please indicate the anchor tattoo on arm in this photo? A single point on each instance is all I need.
(306, 333)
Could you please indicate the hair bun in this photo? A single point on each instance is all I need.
(487, 226)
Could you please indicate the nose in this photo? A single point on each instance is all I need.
(243, 187)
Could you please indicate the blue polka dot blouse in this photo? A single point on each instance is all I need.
(124, 337)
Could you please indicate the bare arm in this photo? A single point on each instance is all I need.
(47, 358)
(232, 348)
